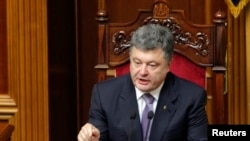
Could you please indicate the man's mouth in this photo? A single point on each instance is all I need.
(143, 81)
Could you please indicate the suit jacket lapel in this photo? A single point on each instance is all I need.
(128, 104)
(165, 109)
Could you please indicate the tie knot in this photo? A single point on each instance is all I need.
(149, 99)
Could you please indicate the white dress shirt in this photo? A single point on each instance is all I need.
(141, 103)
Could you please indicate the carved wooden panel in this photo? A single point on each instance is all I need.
(194, 40)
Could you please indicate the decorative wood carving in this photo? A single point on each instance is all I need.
(192, 38)
(121, 42)
(199, 42)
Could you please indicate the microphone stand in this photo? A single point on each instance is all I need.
(132, 119)
(150, 116)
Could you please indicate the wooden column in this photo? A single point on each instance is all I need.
(248, 62)
(236, 75)
(28, 72)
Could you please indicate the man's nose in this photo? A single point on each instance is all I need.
(144, 69)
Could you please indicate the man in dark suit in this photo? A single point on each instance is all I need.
(178, 108)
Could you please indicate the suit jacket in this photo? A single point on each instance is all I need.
(180, 113)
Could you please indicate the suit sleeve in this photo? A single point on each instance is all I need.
(197, 119)
(97, 115)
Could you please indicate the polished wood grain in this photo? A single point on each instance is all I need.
(28, 68)
(236, 78)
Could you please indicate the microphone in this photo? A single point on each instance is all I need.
(150, 116)
(132, 119)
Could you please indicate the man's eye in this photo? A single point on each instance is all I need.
(136, 62)
(152, 65)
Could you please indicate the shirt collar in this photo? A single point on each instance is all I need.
(155, 93)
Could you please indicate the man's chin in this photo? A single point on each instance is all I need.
(144, 88)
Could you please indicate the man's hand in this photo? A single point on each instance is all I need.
(88, 133)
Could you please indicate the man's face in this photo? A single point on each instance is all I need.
(148, 68)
